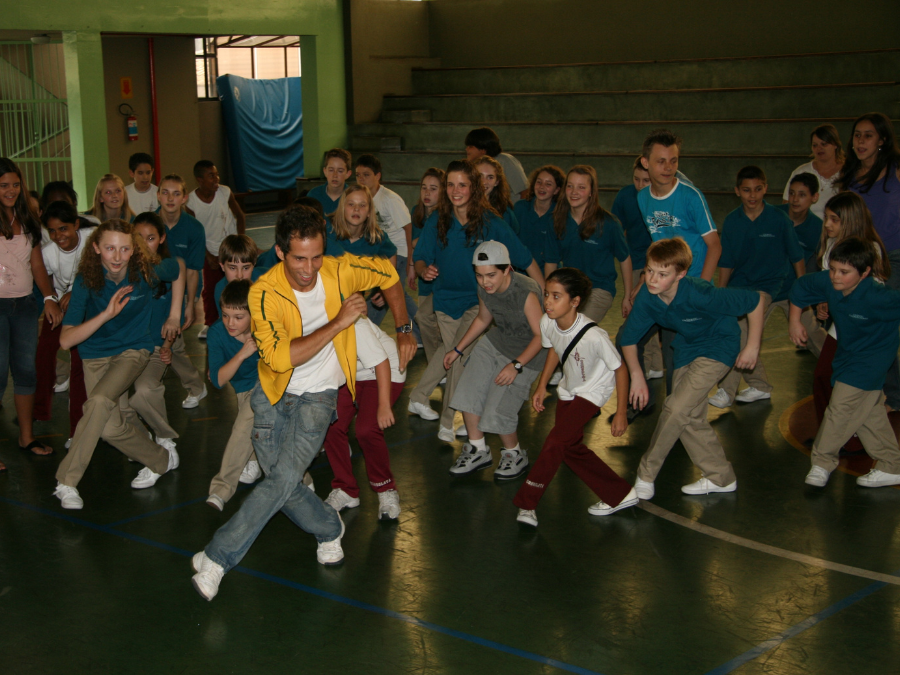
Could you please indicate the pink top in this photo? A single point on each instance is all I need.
(15, 267)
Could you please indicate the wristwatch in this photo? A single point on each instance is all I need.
(406, 328)
(518, 366)
(53, 297)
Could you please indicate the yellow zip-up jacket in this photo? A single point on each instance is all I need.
(276, 318)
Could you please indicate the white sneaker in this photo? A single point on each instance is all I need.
(644, 489)
(62, 386)
(167, 443)
(601, 508)
(878, 478)
(174, 460)
(194, 401)
(653, 374)
(446, 434)
(555, 378)
(817, 476)
(705, 486)
(720, 399)
(250, 473)
(308, 481)
(208, 575)
(470, 460)
(513, 463)
(146, 478)
(202, 334)
(340, 500)
(388, 505)
(527, 517)
(68, 497)
(330, 552)
(443, 381)
(68, 444)
(216, 502)
(423, 411)
(751, 394)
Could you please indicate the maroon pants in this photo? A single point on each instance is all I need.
(564, 444)
(368, 435)
(211, 276)
(822, 388)
(48, 346)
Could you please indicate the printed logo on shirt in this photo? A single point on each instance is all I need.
(691, 319)
(859, 316)
(767, 235)
(580, 363)
(591, 241)
(180, 245)
(136, 297)
(661, 219)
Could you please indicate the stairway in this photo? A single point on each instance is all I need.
(730, 112)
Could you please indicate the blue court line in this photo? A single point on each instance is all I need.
(793, 631)
(356, 604)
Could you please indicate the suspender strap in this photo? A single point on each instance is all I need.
(574, 342)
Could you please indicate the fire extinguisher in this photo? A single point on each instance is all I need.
(131, 124)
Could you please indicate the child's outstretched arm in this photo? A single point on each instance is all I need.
(72, 336)
(620, 419)
(383, 377)
(795, 328)
(537, 399)
(639, 394)
(750, 353)
(172, 327)
(480, 323)
(627, 279)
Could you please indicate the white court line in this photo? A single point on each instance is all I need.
(765, 548)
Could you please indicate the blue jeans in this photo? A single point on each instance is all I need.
(377, 315)
(18, 343)
(286, 438)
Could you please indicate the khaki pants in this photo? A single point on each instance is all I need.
(755, 378)
(184, 368)
(106, 379)
(452, 331)
(683, 418)
(653, 359)
(856, 411)
(149, 399)
(815, 333)
(597, 305)
(238, 450)
(428, 328)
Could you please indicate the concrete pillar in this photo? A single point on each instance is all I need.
(324, 100)
(87, 111)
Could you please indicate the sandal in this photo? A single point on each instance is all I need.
(36, 444)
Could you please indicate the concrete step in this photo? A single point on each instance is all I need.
(825, 68)
(722, 137)
(844, 100)
(706, 171)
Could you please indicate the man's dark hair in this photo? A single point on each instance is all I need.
(298, 222)
(485, 139)
(807, 179)
(201, 167)
(750, 173)
(368, 161)
(312, 202)
(662, 137)
(235, 294)
(139, 158)
(854, 252)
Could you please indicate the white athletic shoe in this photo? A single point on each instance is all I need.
(705, 486)
(720, 399)
(644, 489)
(216, 502)
(653, 374)
(878, 478)
(308, 481)
(388, 505)
(527, 517)
(446, 434)
(194, 401)
(423, 411)
(601, 508)
(208, 575)
(513, 463)
(202, 334)
(250, 473)
(167, 443)
(62, 386)
(470, 460)
(751, 394)
(817, 476)
(330, 552)
(68, 497)
(147, 477)
(340, 500)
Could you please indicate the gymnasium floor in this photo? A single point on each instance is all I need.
(776, 578)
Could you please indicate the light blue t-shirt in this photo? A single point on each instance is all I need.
(594, 255)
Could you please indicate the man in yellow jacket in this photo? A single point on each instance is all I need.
(303, 312)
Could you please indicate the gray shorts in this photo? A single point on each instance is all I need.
(476, 392)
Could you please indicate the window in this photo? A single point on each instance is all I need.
(258, 57)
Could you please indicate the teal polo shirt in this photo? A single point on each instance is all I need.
(757, 251)
(867, 323)
(221, 348)
(187, 240)
(455, 289)
(320, 195)
(809, 233)
(362, 246)
(703, 316)
(130, 329)
(625, 208)
(255, 274)
(594, 255)
(160, 306)
(533, 229)
(510, 218)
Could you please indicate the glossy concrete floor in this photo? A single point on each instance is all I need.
(774, 578)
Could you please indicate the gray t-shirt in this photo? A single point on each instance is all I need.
(515, 174)
(511, 332)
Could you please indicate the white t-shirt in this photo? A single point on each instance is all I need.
(590, 369)
(217, 219)
(393, 216)
(373, 346)
(322, 371)
(140, 202)
(515, 175)
(827, 188)
(63, 265)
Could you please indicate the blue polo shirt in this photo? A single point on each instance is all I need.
(594, 255)
(320, 195)
(362, 247)
(533, 229)
(187, 240)
(867, 322)
(159, 309)
(703, 316)
(757, 251)
(425, 288)
(455, 289)
(625, 208)
(221, 348)
(681, 213)
(130, 329)
(255, 274)
(509, 217)
(809, 232)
